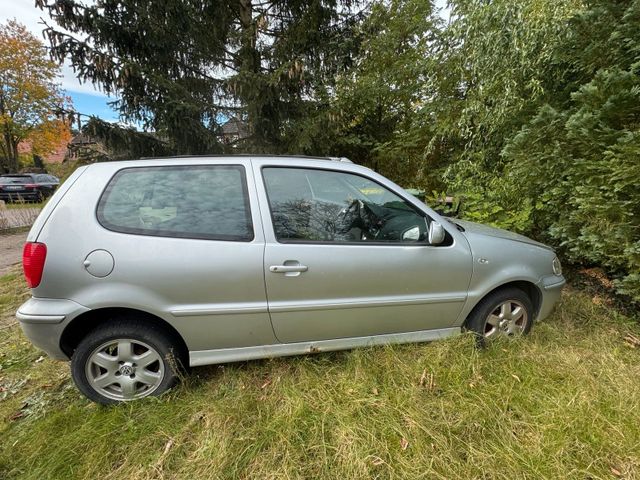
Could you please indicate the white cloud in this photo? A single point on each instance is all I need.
(72, 84)
(25, 12)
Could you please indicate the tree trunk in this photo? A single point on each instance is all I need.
(10, 153)
(248, 64)
(255, 93)
(9, 147)
(13, 160)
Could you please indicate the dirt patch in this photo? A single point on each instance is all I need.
(11, 250)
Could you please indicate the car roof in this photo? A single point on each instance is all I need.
(193, 160)
(251, 155)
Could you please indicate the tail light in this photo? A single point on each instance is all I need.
(33, 256)
(31, 186)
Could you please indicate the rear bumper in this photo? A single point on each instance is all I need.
(44, 319)
(551, 289)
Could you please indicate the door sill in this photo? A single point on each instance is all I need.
(227, 355)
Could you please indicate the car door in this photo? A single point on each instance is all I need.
(54, 183)
(43, 184)
(47, 185)
(345, 256)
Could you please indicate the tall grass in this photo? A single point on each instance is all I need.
(24, 205)
(18, 214)
(563, 403)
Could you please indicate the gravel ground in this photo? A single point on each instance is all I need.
(11, 250)
(11, 243)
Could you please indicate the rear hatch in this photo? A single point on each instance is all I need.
(17, 184)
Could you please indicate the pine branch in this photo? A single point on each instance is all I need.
(50, 32)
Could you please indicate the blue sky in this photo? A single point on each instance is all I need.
(86, 97)
(92, 104)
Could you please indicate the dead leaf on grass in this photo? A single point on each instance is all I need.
(16, 416)
(19, 414)
(404, 443)
(427, 380)
(632, 340)
(167, 447)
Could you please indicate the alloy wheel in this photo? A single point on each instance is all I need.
(508, 319)
(125, 369)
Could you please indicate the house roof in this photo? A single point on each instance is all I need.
(234, 126)
(81, 139)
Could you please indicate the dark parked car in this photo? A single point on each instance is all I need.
(27, 186)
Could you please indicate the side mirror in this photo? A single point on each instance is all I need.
(436, 233)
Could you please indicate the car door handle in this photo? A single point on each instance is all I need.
(288, 268)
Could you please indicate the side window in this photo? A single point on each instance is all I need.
(205, 202)
(311, 205)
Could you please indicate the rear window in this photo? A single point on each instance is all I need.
(15, 179)
(205, 202)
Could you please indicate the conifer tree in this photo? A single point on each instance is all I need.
(181, 67)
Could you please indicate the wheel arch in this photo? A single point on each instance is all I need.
(88, 321)
(529, 288)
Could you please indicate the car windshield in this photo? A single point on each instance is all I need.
(15, 179)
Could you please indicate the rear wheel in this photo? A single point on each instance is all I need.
(503, 313)
(123, 361)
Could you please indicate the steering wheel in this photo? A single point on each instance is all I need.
(354, 216)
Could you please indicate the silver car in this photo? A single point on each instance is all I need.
(138, 268)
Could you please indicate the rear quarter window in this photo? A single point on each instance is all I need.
(17, 179)
(202, 202)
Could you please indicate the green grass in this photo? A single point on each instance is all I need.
(563, 403)
(20, 205)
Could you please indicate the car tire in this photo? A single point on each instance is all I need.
(125, 359)
(507, 312)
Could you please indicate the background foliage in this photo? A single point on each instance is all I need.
(30, 98)
(528, 110)
(549, 122)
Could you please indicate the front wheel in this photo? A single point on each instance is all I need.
(123, 361)
(503, 313)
